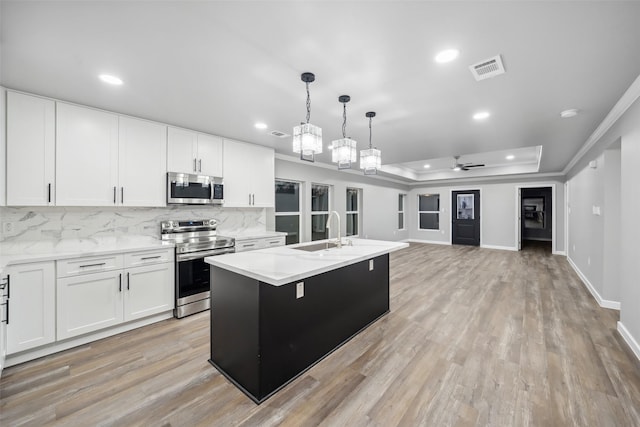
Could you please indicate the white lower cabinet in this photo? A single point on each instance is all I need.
(31, 306)
(149, 290)
(88, 303)
(243, 245)
(93, 301)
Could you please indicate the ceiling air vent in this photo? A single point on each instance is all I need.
(278, 134)
(488, 68)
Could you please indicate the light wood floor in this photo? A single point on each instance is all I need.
(474, 337)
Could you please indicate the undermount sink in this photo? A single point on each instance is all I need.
(317, 247)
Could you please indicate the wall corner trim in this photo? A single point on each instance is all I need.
(623, 104)
(628, 338)
(604, 303)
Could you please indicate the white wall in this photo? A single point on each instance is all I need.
(586, 229)
(379, 198)
(612, 201)
(626, 129)
(498, 213)
(3, 147)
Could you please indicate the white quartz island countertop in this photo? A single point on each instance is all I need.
(285, 264)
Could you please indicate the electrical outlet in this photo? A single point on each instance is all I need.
(370, 265)
(7, 227)
(299, 290)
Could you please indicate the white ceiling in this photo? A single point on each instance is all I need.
(219, 67)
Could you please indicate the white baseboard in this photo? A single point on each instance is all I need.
(432, 242)
(501, 248)
(27, 355)
(605, 303)
(628, 338)
(563, 253)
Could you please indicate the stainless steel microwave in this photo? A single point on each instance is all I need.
(188, 189)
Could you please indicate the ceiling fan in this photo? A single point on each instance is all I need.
(457, 166)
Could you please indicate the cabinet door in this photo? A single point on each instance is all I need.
(262, 176)
(88, 303)
(86, 156)
(30, 150)
(236, 178)
(32, 306)
(209, 155)
(149, 290)
(142, 165)
(182, 150)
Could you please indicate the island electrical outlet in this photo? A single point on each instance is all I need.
(299, 290)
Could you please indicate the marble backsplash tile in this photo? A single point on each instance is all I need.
(59, 223)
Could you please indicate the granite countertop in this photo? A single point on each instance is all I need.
(36, 251)
(285, 264)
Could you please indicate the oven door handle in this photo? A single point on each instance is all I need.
(189, 257)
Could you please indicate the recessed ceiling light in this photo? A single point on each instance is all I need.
(447, 55)
(427, 166)
(112, 80)
(260, 125)
(481, 115)
(510, 157)
(569, 113)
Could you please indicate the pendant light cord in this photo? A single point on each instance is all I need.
(344, 120)
(308, 103)
(370, 118)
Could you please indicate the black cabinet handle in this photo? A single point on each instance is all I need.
(120, 282)
(8, 289)
(93, 265)
(49, 193)
(122, 195)
(114, 195)
(128, 281)
(7, 319)
(150, 257)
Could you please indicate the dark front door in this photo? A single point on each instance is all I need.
(465, 217)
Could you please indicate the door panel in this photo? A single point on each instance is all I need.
(465, 217)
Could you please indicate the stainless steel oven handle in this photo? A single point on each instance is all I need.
(189, 257)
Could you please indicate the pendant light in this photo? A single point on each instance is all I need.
(370, 159)
(344, 150)
(307, 138)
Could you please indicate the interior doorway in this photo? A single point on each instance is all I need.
(536, 219)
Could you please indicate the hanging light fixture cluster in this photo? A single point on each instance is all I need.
(307, 139)
(344, 150)
(370, 159)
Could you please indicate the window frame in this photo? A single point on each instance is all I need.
(356, 212)
(402, 198)
(290, 213)
(316, 213)
(436, 212)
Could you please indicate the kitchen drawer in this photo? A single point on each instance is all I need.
(86, 265)
(274, 241)
(155, 256)
(248, 245)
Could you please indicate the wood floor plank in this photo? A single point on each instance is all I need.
(475, 337)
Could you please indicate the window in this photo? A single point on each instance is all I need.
(288, 210)
(319, 211)
(429, 211)
(401, 199)
(353, 211)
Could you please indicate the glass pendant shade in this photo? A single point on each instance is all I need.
(344, 152)
(307, 139)
(370, 161)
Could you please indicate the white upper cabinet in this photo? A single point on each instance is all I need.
(249, 175)
(142, 165)
(30, 150)
(193, 152)
(210, 155)
(86, 157)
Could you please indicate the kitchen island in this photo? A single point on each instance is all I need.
(276, 312)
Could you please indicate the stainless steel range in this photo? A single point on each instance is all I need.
(194, 241)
